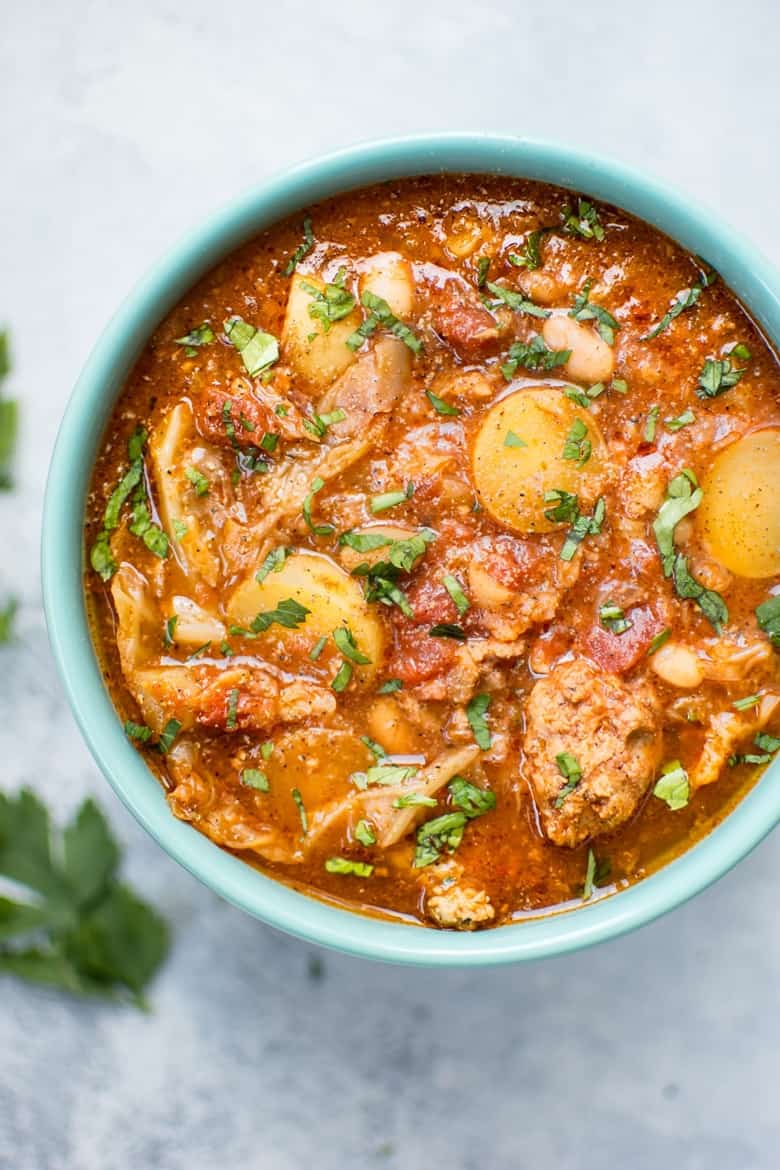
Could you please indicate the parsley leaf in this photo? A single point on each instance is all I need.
(585, 310)
(345, 640)
(717, 376)
(131, 486)
(768, 618)
(577, 447)
(455, 590)
(569, 768)
(386, 500)
(364, 833)
(439, 405)
(198, 480)
(447, 630)
(583, 526)
(517, 302)
(684, 300)
(343, 675)
(476, 713)
(533, 355)
(531, 256)
(254, 778)
(687, 587)
(331, 303)
(303, 248)
(436, 836)
(513, 440)
(682, 420)
(380, 313)
(199, 336)
(289, 613)
(673, 785)
(76, 927)
(469, 798)
(258, 350)
(612, 618)
(343, 866)
(595, 873)
(582, 220)
(317, 484)
(683, 495)
(272, 563)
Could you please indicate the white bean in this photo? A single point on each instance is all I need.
(677, 665)
(591, 358)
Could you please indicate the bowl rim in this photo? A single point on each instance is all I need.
(748, 274)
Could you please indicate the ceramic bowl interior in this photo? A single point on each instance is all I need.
(742, 268)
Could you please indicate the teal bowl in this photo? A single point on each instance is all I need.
(743, 269)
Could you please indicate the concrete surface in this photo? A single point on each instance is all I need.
(123, 124)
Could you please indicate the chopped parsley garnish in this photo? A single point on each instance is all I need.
(569, 768)
(200, 336)
(567, 506)
(582, 526)
(439, 405)
(684, 300)
(612, 618)
(198, 480)
(414, 800)
(390, 686)
(651, 424)
(345, 640)
(365, 541)
(471, 799)
(717, 376)
(673, 786)
(289, 613)
(269, 441)
(455, 590)
(318, 647)
(168, 735)
(768, 618)
(595, 873)
(658, 641)
(513, 440)
(580, 397)
(386, 500)
(436, 836)
(199, 652)
(476, 713)
(533, 355)
(179, 529)
(578, 446)
(318, 424)
(375, 748)
(132, 487)
(517, 302)
(296, 795)
(582, 220)
(382, 577)
(531, 256)
(303, 248)
(258, 350)
(767, 745)
(584, 310)
(254, 778)
(342, 677)
(483, 267)
(332, 303)
(317, 484)
(232, 709)
(272, 563)
(746, 703)
(447, 630)
(267, 749)
(683, 495)
(380, 314)
(682, 420)
(76, 927)
(364, 833)
(343, 866)
(137, 731)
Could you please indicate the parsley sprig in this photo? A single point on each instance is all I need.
(74, 925)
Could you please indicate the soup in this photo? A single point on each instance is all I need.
(434, 551)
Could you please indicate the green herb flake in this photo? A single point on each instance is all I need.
(581, 398)
(578, 447)
(289, 613)
(272, 563)
(583, 526)
(682, 420)
(332, 303)
(768, 618)
(345, 640)
(302, 250)
(673, 786)
(137, 731)
(343, 675)
(470, 799)
(390, 775)
(443, 833)
(414, 800)
(584, 310)
(684, 300)
(390, 687)
(198, 481)
(196, 338)
(365, 541)
(258, 350)
(254, 778)
(318, 647)
(513, 440)
(683, 496)
(179, 529)
(168, 735)
(375, 748)
(517, 302)
(317, 484)
(717, 376)
(455, 590)
(651, 424)
(658, 641)
(569, 768)
(613, 619)
(447, 630)
(169, 635)
(476, 713)
(746, 703)
(364, 834)
(440, 406)
(296, 795)
(318, 424)
(267, 749)
(7, 615)
(533, 355)
(483, 267)
(341, 865)
(531, 256)
(582, 220)
(386, 500)
(380, 314)
(232, 709)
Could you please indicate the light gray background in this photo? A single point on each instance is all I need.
(122, 125)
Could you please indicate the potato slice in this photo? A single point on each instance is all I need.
(739, 517)
(511, 479)
(318, 356)
(389, 275)
(351, 558)
(333, 597)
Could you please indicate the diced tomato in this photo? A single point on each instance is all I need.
(417, 656)
(618, 653)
